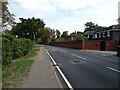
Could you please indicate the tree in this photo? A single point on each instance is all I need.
(58, 33)
(79, 32)
(44, 33)
(79, 38)
(7, 17)
(65, 34)
(89, 26)
(53, 33)
(29, 28)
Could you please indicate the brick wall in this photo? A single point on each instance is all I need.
(91, 45)
(73, 44)
(110, 45)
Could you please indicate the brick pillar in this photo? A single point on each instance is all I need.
(83, 44)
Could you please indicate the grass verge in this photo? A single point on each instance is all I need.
(32, 53)
(12, 76)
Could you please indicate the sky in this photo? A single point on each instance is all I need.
(67, 15)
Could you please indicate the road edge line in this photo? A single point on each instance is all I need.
(61, 73)
(113, 69)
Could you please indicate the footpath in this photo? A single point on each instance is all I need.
(114, 53)
(42, 73)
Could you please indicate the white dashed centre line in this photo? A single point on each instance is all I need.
(63, 51)
(79, 57)
(113, 69)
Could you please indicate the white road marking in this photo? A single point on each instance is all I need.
(63, 51)
(115, 57)
(113, 69)
(79, 57)
(61, 73)
(103, 55)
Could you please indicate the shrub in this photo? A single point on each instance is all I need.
(21, 47)
(13, 48)
(79, 38)
(6, 51)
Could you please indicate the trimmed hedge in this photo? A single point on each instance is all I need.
(6, 51)
(13, 48)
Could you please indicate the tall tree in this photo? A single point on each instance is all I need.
(7, 17)
(79, 32)
(44, 34)
(64, 34)
(58, 33)
(90, 26)
(29, 28)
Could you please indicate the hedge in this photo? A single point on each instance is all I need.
(13, 48)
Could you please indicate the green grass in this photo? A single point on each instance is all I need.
(36, 46)
(32, 53)
(13, 75)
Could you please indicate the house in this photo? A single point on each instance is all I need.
(103, 40)
(72, 36)
(89, 34)
(110, 33)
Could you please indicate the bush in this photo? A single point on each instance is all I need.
(21, 47)
(79, 38)
(6, 51)
(13, 48)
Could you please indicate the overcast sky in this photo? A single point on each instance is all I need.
(67, 15)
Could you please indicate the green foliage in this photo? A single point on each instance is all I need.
(8, 36)
(12, 75)
(21, 47)
(27, 28)
(90, 26)
(58, 33)
(79, 38)
(31, 53)
(6, 51)
(13, 48)
(79, 32)
(65, 34)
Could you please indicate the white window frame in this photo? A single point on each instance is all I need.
(100, 35)
(88, 36)
(103, 34)
(95, 35)
(108, 34)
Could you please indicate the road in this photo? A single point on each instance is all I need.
(87, 69)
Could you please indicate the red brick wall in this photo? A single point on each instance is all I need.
(75, 45)
(110, 45)
(91, 45)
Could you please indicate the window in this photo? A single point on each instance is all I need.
(95, 35)
(88, 36)
(103, 34)
(99, 35)
(108, 34)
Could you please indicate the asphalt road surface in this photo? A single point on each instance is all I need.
(87, 69)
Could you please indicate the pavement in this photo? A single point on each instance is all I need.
(87, 69)
(42, 73)
(102, 52)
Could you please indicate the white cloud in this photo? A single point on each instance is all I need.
(75, 13)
